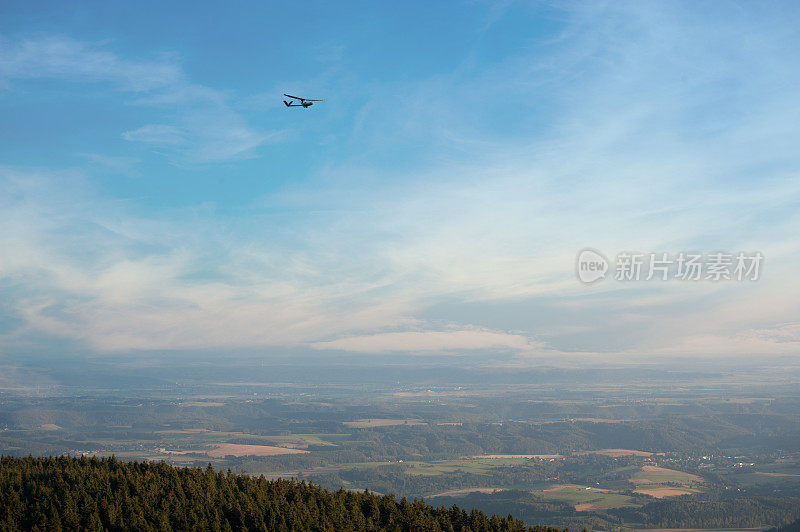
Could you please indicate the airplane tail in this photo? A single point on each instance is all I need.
(287, 103)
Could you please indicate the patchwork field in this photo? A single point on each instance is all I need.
(232, 449)
(660, 482)
(586, 498)
(193, 446)
(660, 475)
(617, 453)
(465, 491)
(660, 493)
(194, 437)
(599, 420)
(526, 456)
(477, 466)
(368, 423)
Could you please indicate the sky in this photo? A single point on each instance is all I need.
(157, 196)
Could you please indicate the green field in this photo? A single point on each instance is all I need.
(479, 467)
(652, 476)
(212, 436)
(577, 495)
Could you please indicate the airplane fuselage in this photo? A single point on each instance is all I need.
(297, 101)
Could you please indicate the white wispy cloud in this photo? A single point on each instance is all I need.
(159, 134)
(57, 56)
(203, 126)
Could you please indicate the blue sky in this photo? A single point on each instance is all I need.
(155, 194)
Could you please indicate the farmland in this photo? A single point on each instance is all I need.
(660, 482)
(586, 498)
(222, 450)
(371, 423)
(580, 455)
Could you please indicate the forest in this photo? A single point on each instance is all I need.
(106, 494)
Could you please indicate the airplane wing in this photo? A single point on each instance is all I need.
(302, 99)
